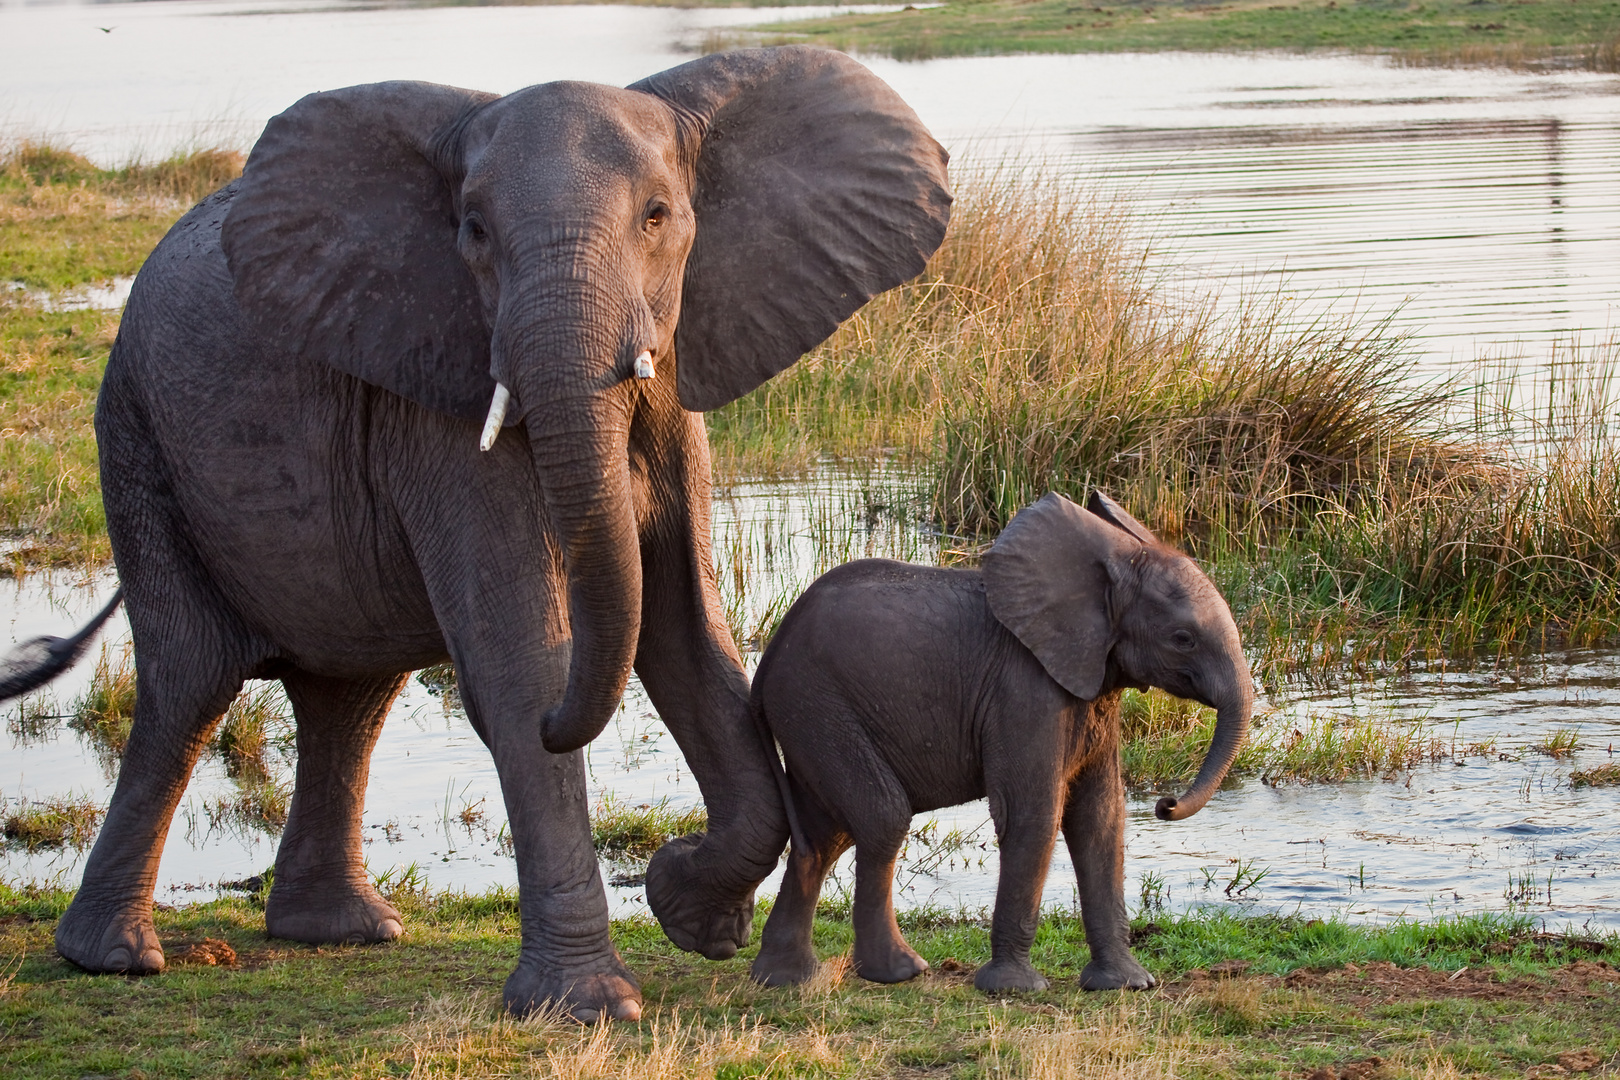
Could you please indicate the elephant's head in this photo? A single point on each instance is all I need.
(1101, 602)
(543, 259)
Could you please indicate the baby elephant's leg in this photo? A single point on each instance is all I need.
(786, 954)
(1094, 827)
(1025, 813)
(881, 953)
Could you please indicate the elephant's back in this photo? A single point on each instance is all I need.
(878, 661)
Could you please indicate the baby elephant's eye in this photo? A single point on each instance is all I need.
(1183, 639)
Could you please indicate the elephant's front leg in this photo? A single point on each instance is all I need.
(1024, 805)
(498, 592)
(1094, 828)
(567, 957)
(701, 887)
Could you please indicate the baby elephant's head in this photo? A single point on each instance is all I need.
(1101, 602)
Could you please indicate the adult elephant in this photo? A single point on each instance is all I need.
(290, 444)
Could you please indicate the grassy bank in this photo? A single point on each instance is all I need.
(1513, 33)
(66, 225)
(1239, 996)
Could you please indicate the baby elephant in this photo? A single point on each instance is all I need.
(895, 688)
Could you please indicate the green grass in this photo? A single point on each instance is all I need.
(61, 822)
(65, 224)
(1515, 33)
(428, 1005)
(622, 831)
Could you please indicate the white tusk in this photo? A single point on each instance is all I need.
(644, 365)
(497, 413)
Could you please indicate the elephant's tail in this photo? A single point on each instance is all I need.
(795, 833)
(37, 661)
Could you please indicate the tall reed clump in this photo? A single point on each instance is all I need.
(1351, 511)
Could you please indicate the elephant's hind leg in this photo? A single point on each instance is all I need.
(322, 892)
(109, 927)
(786, 953)
(191, 657)
(881, 953)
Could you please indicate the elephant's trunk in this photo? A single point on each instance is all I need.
(580, 445)
(1231, 726)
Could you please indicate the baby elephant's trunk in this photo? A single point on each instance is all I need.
(1231, 725)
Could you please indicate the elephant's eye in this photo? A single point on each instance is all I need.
(657, 214)
(472, 229)
(1183, 639)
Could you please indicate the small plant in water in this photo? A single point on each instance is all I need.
(63, 822)
(1155, 894)
(104, 713)
(1559, 743)
(1605, 775)
(637, 831)
(255, 723)
(1245, 877)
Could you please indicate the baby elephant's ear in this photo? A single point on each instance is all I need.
(1113, 513)
(1047, 580)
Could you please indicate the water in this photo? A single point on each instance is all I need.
(1490, 834)
(1476, 208)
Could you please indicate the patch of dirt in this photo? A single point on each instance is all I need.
(1371, 1068)
(1384, 981)
(951, 971)
(209, 952)
(1381, 981)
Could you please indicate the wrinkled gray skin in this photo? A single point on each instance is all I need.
(895, 689)
(289, 433)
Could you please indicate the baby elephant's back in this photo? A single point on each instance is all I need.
(879, 658)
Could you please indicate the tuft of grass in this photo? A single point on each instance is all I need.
(635, 832)
(1606, 775)
(256, 806)
(1558, 743)
(106, 710)
(256, 724)
(61, 822)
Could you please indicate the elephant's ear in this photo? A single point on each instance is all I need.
(816, 189)
(1047, 579)
(1113, 513)
(342, 244)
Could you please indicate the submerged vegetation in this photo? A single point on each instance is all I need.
(1534, 34)
(1239, 996)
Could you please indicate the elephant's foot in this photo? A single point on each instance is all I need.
(1122, 974)
(783, 967)
(102, 938)
(890, 962)
(687, 908)
(1008, 976)
(584, 996)
(330, 913)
